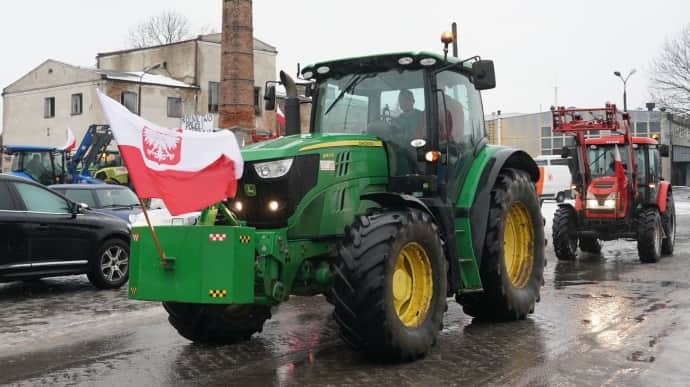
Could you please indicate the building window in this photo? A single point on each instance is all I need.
(49, 107)
(174, 107)
(213, 97)
(257, 99)
(129, 99)
(76, 104)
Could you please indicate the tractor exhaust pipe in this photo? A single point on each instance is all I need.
(292, 108)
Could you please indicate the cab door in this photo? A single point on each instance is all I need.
(56, 237)
(14, 251)
(461, 126)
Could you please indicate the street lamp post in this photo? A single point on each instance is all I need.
(625, 81)
(146, 70)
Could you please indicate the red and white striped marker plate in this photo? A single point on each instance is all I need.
(217, 237)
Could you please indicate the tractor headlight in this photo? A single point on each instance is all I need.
(273, 169)
(608, 204)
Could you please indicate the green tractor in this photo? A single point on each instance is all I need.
(387, 211)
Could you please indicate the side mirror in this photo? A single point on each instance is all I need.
(565, 152)
(270, 98)
(484, 75)
(663, 150)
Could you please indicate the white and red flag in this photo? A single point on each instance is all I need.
(280, 117)
(71, 141)
(189, 170)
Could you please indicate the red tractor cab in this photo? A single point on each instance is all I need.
(620, 191)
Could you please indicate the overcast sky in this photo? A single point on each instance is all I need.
(535, 44)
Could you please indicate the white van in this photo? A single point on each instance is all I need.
(554, 178)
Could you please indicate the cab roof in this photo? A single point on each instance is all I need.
(379, 62)
(619, 140)
(29, 148)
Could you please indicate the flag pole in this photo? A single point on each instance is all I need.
(161, 253)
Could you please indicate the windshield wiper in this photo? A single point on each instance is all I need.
(121, 206)
(348, 89)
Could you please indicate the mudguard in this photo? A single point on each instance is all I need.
(664, 191)
(397, 200)
(503, 158)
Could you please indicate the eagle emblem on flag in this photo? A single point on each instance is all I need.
(162, 146)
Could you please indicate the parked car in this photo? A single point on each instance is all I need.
(160, 216)
(554, 178)
(44, 234)
(111, 199)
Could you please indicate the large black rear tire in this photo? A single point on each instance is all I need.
(649, 235)
(668, 219)
(512, 265)
(382, 309)
(216, 324)
(563, 233)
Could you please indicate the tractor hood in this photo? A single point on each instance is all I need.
(290, 146)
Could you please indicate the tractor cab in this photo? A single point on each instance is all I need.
(425, 108)
(45, 165)
(610, 193)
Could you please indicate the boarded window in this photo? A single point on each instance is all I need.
(49, 107)
(76, 104)
(129, 100)
(213, 97)
(174, 107)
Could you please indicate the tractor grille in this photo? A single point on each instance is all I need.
(256, 194)
(342, 164)
(603, 184)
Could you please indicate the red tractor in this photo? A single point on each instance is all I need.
(620, 191)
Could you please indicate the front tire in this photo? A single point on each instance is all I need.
(512, 265)
(390, 285)
(649, 235)
(216, 324)
(110, 269)
(563, 234)
(668, 219)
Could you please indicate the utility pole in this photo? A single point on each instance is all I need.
(237, 66)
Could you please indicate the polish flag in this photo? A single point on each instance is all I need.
(71, 142)
(618, 167)
(280, 117)
(189, 170)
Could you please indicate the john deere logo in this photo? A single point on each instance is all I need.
(250, 190)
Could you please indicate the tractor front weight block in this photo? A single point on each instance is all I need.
(212, 265)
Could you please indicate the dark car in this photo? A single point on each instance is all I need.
(111, 199)
(44, 234)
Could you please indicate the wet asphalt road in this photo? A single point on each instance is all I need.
(602, 320)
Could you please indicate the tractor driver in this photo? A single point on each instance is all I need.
(411, 120)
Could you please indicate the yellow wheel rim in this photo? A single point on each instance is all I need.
(518, 245)
(413, 285)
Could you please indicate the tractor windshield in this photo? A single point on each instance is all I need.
(45, 167)
(360, 103)
(107, 159)
(390, 105)
(602, 157)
